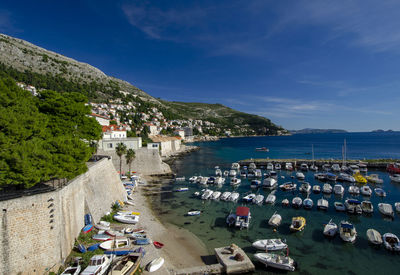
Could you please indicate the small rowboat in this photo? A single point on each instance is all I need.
(88, 219)
(142, 241)
(158, 244)
(87, 228)
(101, 237)
(155, 264)
(93, 247)
(82, 248)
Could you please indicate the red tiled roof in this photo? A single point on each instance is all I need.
(113, 128)
(242, 211)
(93, 114)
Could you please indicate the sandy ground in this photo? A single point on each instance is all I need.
(181, 247)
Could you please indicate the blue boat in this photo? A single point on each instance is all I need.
(82, 248)
(93, 247)
(142, 241)
(88, 219)
(87, 228)
(119, 251)
(140, 250)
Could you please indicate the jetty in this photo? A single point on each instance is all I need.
(378, 164)
(231, 260)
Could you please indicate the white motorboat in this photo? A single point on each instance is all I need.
(304, 166)
(180, 179)
(269, 245)
(258, 199)
(316, 189)
(335, 167)
(236, 166)
(255, 183)
(346, 177)
(386, 209)
(235, 181)
(271, 198)
(367, 207)
(391, 242)
(155, 264)
(275, 220)
(289, 166)
(380, 192)
(226, 173)
(182, 189)
(219, 180)
(270, 166)
(348, 232)
(270, 183)
(374, 237)
(252, 166)
(211, 180)
(322, 204)
(326, 167)
(354, 190)
(232, 173)
(215, 195)
(243, 216)
(278, 166)
(305, 187)
(338, 189)
(249, 198)
(75, 269)
(374, 178)
(225, 195)
(300, 176)
(353, 206)
(257, 173)
(199, 179)
(330, 229)
(203, 180)
(243, 173)
(327, 188)
(218, 172)
(207, 194)
(273, 174)
(363, 167)
(314, 168)
(395, 177)
(285, 202)
(366, 190)
(397, 206)
(194, 213)
(233, 197)
(276, 261)
(288, 186)
(340, 207)
(98, 264)
(193, 179)
(297, 202)
(308, 203)
(131, 219)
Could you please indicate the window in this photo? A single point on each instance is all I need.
(109, 145)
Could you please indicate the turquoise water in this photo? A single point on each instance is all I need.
(310, 249)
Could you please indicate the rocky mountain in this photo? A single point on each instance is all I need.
(317, 131)
(45, 69)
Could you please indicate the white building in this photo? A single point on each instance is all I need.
(180, 132)
(168, 145)
(102, 120)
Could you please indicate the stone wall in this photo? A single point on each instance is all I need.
(39, 231)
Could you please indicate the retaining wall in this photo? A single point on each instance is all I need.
(39, 231)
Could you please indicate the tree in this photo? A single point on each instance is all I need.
(120, 150)
(130, 156)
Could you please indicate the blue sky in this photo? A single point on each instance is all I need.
(317, 64)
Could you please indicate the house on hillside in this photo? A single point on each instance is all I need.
(102, 120)
(113, 134)
(167, 145)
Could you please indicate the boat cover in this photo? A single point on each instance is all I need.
(354, 201)
(346, 225)
(242, 211)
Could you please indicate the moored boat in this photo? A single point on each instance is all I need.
(367, 207)
(360, 178)
(322, 204)
(305, 187)
(374, 237)
(397, 206)
(353, 206)
(366, 190)
(275, 220)
(233, 197)
(300, 176)
(269, 244)
(255, 184)
(285, 202)
(249, 198)
(327, 188)
(354, 190)
(316, 189)
(155, 264)
(330, 229)
(395, 178)
(194, 213)
(243, 216)
(297, 202)
(386, 209)
(339, 206)
(215, 195)
(270, 183)
(347, 231)
(298, 224)
(374, 178)
(258, 199)
(338, 189)
(235, 181)
(270, 199)
(308, 203)
(225, 196)
(288, 186)
(276, 261)
(380, 192)
(207, 194)
(391, 242)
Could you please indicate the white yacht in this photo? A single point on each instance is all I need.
(243, 216)
(353, 206)
(374, 237)
(219, 180)
(193, 179)
(395, 178)
(255, 183)
(218, 172)
(257, 173)
(308, 203)
(367, 207)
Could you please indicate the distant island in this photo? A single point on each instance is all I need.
(383, 131)
(317, 131)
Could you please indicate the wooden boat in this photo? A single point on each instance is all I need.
(114, 233)
(298, 224)
(158, 244)
(374, 237)
(130, 230)
(87, 228)
(117, 242)
(131, 219)
(270, 244)
(98, 265)
(275, 220)
(367, 207)
(347, 231)
(276, 261)
(386, 209)
(330, 229)
(127, 265)
(101, 237)
(391, 242)
(155, 264)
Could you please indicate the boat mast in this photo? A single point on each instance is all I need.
(312, 149)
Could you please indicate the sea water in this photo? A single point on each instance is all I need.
(314, 253)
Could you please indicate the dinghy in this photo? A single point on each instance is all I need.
(316, 189)
(103, 225)
(348, 232)
(225, 196)
(276, 261)
(366, 190)
(158, 244)
(374, 237)
(131, 219)
(101, 237)
(391, 242)
(327, 188)
(296, 202)
(340, 207)
(380, 192)
(386, 209)
(285, 202)
(75, 269)
(117, 242)
(155, 264)
(367, 207)
(298, 224)
(322, 204)
(305, 187)
(308, 203)
(182, 189)
(270, 199)
(275, 220)
(330, 229)
(354, 190)
(87, 228)
(258, 199)
(269, 244)
(127, 265)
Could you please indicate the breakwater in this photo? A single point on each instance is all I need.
(39, 231)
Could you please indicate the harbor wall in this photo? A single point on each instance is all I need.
(39, 231)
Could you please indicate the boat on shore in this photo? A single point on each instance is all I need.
(74, 269)
(155, 264)
(127, 265)
(374, 237)
(270, 244)
(98, 264)
(276, 261)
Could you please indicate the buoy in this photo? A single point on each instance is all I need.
(274, 229)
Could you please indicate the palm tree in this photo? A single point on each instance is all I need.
(130, 156)
(120, 150)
